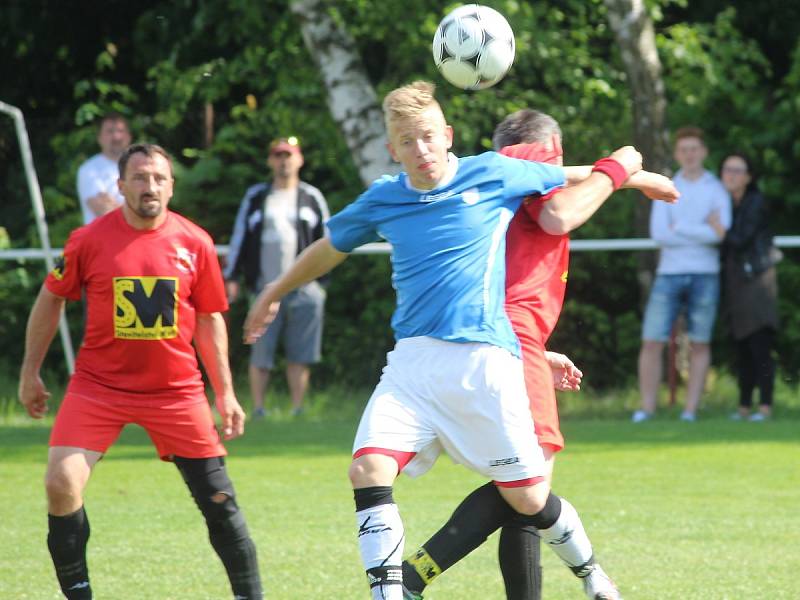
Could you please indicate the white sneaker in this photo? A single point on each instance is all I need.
(640, 416)
(688, 417)
(757, 417)
(598, 585)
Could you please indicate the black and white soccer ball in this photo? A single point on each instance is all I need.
(473, 47)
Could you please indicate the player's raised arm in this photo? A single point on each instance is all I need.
(314, 262)
(653, 185)
(572, 206)
(42, 327)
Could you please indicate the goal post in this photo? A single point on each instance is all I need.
(38, 211)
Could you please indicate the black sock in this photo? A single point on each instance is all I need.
(477, 517)
(520, 561)
(66, 538)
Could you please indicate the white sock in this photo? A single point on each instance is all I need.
(380, 539)
(568, 539)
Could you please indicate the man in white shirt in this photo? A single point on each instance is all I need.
(97, 177)
(687, 278)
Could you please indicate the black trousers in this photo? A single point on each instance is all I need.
(756, 367)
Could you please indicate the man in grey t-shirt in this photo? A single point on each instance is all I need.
(276, 221)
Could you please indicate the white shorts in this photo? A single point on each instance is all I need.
(468, 399)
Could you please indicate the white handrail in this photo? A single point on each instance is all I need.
(782, 241)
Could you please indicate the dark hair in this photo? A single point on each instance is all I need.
(149, 150)
(690, 131)
(747, 163)
(112, 116)
(526, 126)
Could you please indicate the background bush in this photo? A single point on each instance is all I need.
(730, 67)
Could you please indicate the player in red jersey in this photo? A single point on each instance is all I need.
(153, 286)
(537, 257)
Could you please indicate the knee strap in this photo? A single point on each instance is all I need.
(545, 518)
(205, 478)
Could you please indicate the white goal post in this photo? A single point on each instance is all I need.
(38, 211)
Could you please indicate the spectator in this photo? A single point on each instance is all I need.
(687, 279)
(276, 221)
(97, 177)
(751, 287)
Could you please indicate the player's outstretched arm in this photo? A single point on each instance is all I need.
(566, 376)
(654, 186)
(573, 206)
(314, 262)
(41, 329)
(211, 341)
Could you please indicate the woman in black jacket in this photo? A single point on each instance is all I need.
(750, 286)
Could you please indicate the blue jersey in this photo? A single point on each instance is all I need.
(448, 257)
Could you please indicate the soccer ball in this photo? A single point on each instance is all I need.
(473, 47)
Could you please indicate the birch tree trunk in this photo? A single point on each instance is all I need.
(351, 97)
(636, 40)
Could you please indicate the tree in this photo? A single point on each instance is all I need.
(636, 40)
(351, 97)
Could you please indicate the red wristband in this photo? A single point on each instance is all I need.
(612, 169)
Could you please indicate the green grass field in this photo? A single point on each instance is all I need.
(686, 511)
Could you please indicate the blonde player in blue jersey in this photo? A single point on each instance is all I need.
(454, 380)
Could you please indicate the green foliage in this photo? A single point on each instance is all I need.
(169, 64)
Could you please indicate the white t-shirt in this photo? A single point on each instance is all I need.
(98, 174)
(688, 243)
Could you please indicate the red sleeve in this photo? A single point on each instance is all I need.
(66, 278)
(533, 204)
(208, 294)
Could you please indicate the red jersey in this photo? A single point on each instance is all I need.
(536, 274)
(143, 289)
(536, 280)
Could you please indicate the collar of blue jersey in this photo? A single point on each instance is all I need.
(452, 169)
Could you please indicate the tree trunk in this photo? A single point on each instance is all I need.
(636, 40)
(351, 97)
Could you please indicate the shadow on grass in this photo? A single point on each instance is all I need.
(323, 436)
(670, 432)
(262, 438)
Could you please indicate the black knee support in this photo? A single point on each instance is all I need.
(206, 479)
(372, 496)
(545, 518)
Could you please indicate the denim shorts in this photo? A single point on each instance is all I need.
(694, 294)
(298, 324)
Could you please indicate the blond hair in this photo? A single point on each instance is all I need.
(409, 101)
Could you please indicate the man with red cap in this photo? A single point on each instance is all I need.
(276, 221)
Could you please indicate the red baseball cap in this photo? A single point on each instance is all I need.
(288, 144)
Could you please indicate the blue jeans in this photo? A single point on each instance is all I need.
(696, 294)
